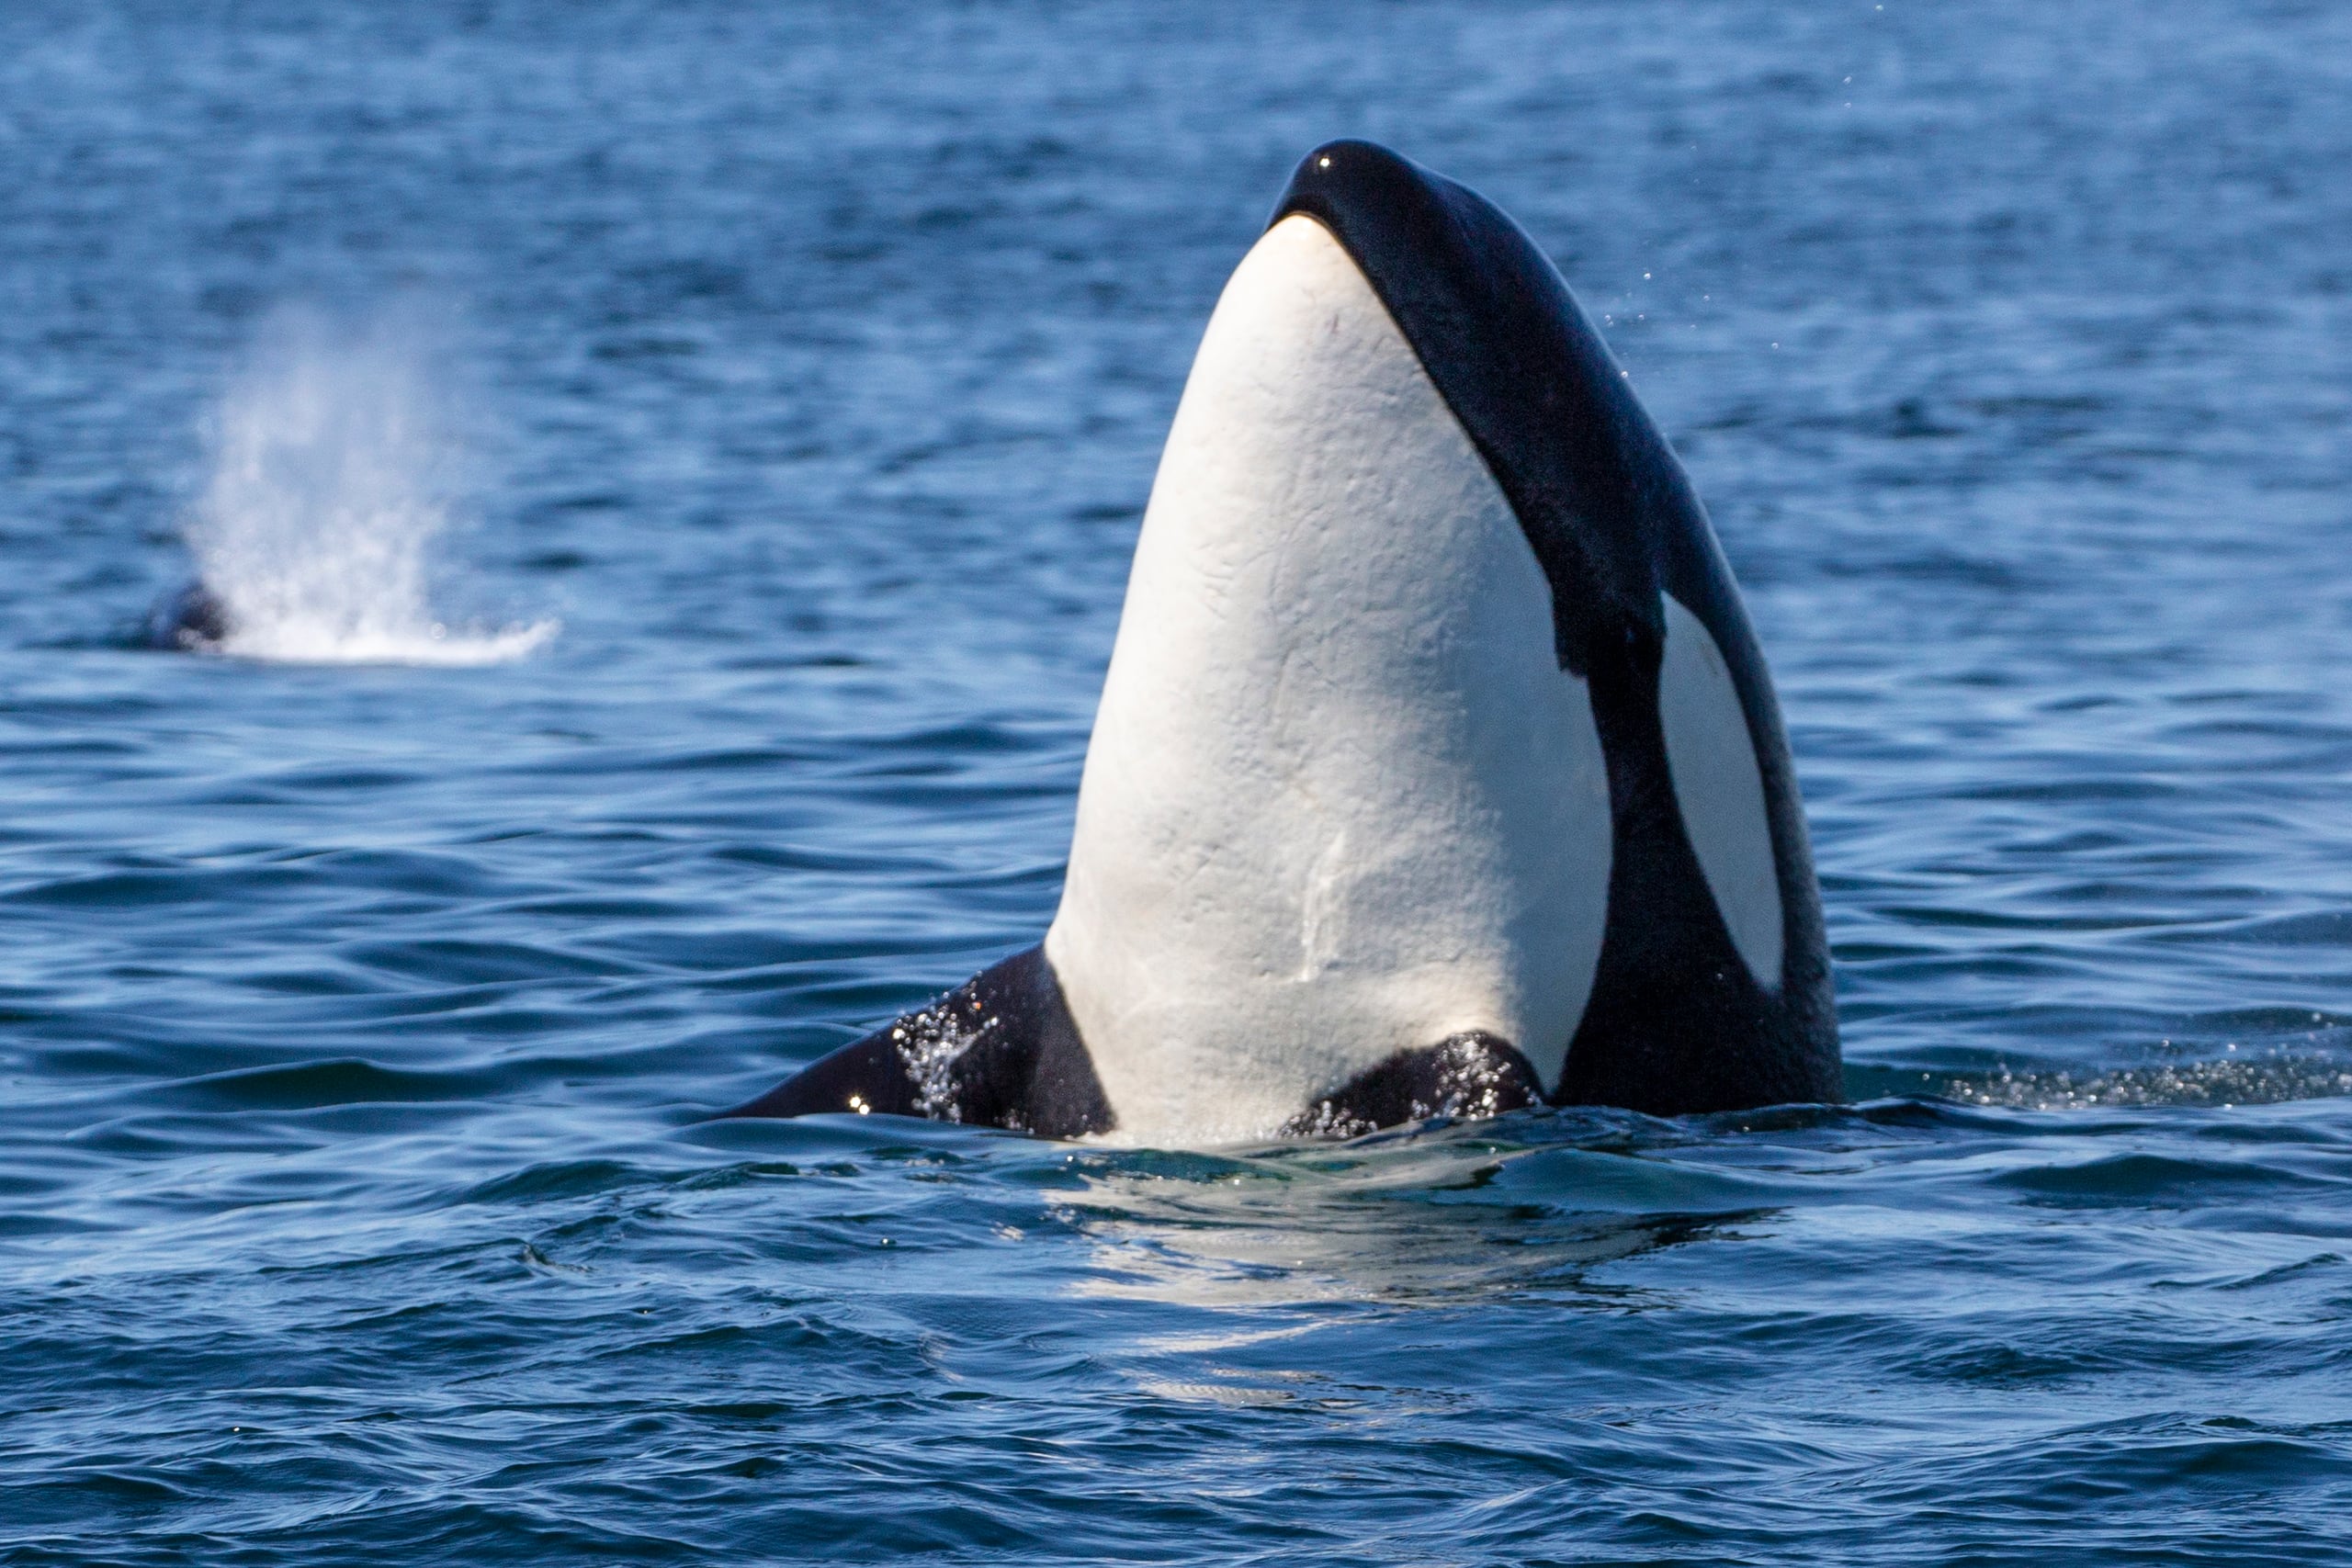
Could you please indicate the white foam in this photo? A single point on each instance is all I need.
(329, 487)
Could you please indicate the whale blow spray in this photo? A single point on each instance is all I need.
(331, 477)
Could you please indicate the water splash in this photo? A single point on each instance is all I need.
(2256, 1079)
(330, 485)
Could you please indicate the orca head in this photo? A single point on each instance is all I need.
(190, 618)
(1433, 712)
(1437, 770)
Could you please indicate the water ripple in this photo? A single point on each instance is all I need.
(808, 365)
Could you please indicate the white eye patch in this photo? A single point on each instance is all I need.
(1712, 758)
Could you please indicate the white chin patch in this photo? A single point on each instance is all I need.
(1720, 789)
(1342, 801)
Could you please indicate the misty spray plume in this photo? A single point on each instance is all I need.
(331, 482)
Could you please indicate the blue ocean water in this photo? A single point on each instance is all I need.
(692, 451)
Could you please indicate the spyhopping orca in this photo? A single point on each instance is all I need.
(1437, 770)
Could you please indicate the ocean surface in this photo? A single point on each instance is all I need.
(687, 458)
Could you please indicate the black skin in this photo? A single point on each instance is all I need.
(1675, 1023)
(189, 619)
(999, 1051)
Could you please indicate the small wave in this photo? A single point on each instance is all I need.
(2253, 1080)
(331, 482)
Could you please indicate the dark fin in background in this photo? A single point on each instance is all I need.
(1676, 1022)
(1467, 1076)
(189, 619)
(999, 1051)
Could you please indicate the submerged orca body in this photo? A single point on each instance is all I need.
(1437, 770)
(191, 618)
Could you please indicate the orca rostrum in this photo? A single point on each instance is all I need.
(1437, 770)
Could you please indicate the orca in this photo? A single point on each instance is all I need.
(190, 618)
(1437, 770)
